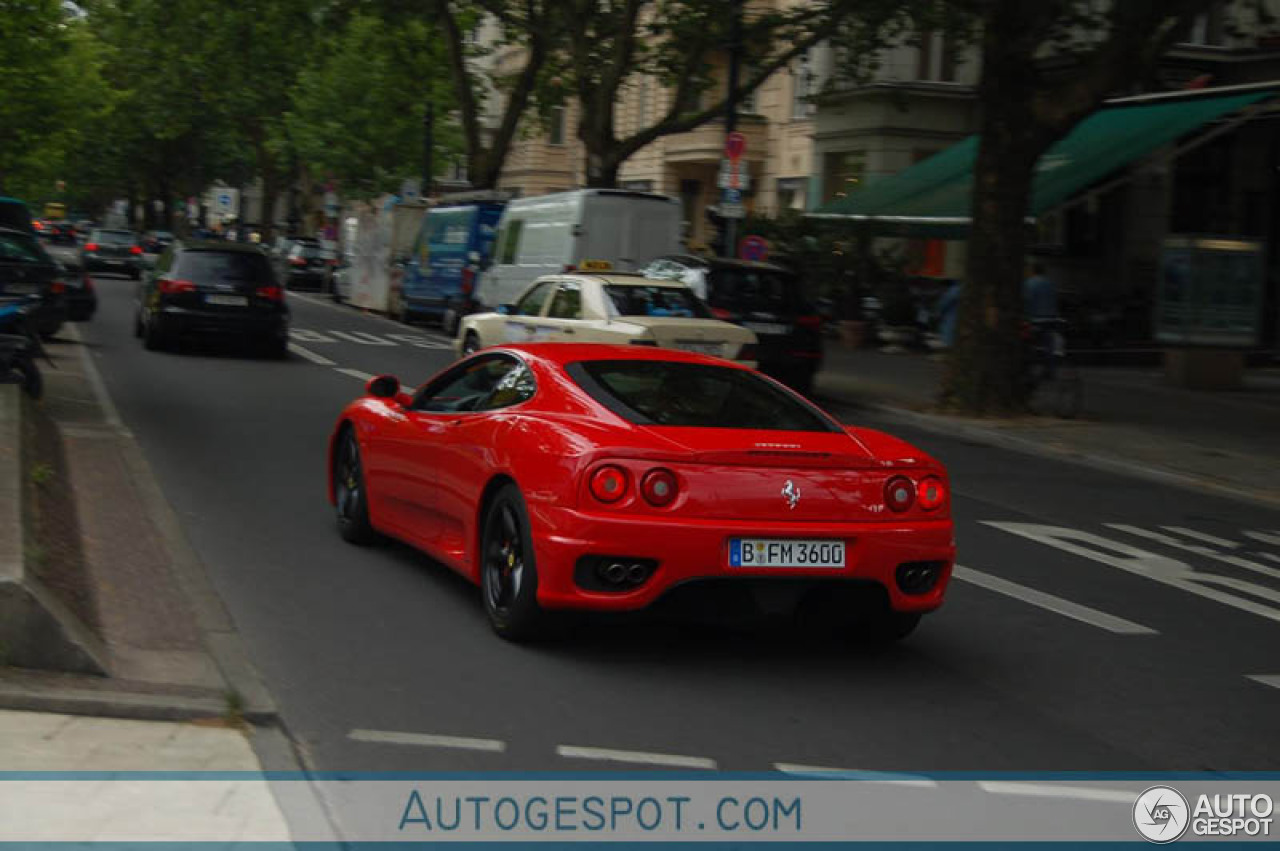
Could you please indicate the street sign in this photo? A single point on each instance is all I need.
(753, 248)
(224, 201)
(731, 204)
(735, 145)
(733, 175)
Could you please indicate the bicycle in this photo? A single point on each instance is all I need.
(1052, 382)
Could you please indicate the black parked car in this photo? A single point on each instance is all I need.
(305, 266)
(765, 298)
(26, 269)
(221, 288)
(82, 298)
(112, 251)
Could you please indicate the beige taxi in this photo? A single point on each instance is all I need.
(608, 308)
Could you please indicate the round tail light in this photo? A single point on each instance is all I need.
(931, 493)
(659, 487)
(899, 493)
(609, 483)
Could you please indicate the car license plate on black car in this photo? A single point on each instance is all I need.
(227, 300)
(22, 289)
(781, 552)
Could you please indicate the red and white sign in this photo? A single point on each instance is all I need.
(735, 145)
(753, 248)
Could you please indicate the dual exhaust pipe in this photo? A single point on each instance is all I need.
(618, 573)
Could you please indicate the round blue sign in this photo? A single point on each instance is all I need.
(753, 248)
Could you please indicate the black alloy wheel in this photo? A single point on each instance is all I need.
(508, 569)
(350, 497)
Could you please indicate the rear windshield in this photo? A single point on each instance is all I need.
(228, 266)
(306, 249)
(754, 291)
(113, 237)
(635, 300)
(21, 248)
(671, 393)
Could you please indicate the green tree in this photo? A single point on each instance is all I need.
(531, 31)
(357, 112)
(38, 89)
(1025, 109)
(680, 43)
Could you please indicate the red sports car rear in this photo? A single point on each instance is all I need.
(619, 478)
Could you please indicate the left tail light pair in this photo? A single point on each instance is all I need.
(900, 493)
(658, 487)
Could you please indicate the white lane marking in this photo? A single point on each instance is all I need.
(310, 335)
(310, 355)
(1204, 551)
(1272, 680)
(354, 373)
(1057, 605)
(887, 778)
(427, 740)
(1158, 568)
(422, 342)
(1201, 536)
(1265, 537)
(636, 757)
(1269, 556)
(364, 338)
(1036, 790)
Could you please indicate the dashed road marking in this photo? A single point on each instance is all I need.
(310, 355)
(887, 778)
(1054, 604)
(1271, 538)
(1201, 536)
(635, 757)
(354, 373)
(1036, 790)
(1272, 680)
(427, 740)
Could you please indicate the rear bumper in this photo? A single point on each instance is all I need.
(308, 279)
(690, 552)
(123, 265)
(183, 321)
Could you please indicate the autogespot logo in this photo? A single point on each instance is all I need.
(1160, 814)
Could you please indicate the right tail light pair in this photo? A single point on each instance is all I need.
(610, 483)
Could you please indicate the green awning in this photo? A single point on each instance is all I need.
(933, 197)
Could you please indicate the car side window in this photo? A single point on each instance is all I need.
(510, 240)
(481, 384)
(568, 303)
(532, 302)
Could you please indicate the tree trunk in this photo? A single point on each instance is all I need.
(602, 170)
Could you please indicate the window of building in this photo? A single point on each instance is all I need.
(803, 87)
(842, 173)
(555, 134)
(642, 102)
(791, 193)
(1207, 28)
(924, 56)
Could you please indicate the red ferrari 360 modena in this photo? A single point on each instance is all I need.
(559, 476)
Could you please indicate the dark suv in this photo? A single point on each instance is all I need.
(765, 298)
(212, 288)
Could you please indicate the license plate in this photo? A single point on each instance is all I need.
(22, 289)
(767, 327)
(776, 552)
(228, 300)
(700, 347)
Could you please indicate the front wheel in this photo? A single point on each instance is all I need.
(470, 345)
(155, 337)
(351, 500)
(508, 569)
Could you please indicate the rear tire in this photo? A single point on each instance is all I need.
(351, 500)
(155, 337)
(508, 569)
(137, 325)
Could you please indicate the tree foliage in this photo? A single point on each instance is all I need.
(357, 108)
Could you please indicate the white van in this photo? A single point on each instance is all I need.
(587, 229)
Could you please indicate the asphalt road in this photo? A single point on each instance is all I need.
(1117, 626)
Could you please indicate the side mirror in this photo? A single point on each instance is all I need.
(383, 387)
(506, 309)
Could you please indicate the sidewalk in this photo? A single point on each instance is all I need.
(70, 806)
(1133, 421)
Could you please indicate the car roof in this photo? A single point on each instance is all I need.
(562, 354)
